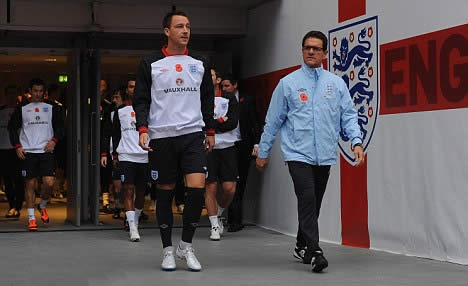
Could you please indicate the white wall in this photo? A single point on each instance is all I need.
(417, 162)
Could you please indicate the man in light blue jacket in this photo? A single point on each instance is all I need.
(309, 107)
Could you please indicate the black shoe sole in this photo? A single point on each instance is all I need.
(319, 268)
(297, 257)
(235, 228)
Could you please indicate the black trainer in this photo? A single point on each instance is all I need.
(235, 227)
(107, 209)
(116, 214)
(143, 217)
(299, 252)
(318, 261)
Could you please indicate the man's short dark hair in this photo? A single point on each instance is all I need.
(230, 77)
(168, 18)
(218, 74)
(122, 90)
(132, 78)
(318, 35)
(37, 81)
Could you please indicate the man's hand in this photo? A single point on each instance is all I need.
(49, 148)
(358, 155)
(209, 143)
(104, 161)
(143, 142)
(255, 150)
(261, 163)
(225, 118)
(20, 153)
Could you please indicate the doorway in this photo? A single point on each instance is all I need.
(57, 67)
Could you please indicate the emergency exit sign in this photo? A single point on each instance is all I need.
(63, 78)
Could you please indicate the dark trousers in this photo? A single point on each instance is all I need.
(310, 183)
(14, 184)
(244, 157)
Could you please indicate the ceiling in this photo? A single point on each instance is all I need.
(246, 4)
(29, 63)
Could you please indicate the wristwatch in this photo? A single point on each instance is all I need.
(357, 144)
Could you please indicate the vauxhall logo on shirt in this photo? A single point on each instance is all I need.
(179, 82)
(38, 122)
(133, 128)
(37, 118)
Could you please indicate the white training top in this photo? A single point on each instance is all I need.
(128, 148)
(37, 129)
(175, 99)
(226, 139)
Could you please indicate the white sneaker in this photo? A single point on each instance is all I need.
(189, 256)
(168, 263)
(134, 235)
(221, 225)
(215, 233)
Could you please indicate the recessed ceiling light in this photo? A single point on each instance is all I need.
(50, 60)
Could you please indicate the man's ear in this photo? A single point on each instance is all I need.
(166, 32)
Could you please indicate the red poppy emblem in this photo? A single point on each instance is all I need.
(36, 110)
(178, 68)
(132, 114)
(304, 97)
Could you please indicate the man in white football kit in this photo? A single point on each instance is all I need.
(173, 102)
(34, 129)
(222, 162)
(132, 161)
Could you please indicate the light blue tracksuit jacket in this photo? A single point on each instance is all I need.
(309, 106)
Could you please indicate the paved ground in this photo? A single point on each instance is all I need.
(253, 256)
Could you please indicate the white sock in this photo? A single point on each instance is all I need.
(31, 214)
(130, 218)
(137, 215)
(184, 245)
(220, 210)
(214, 221)
(43, 204)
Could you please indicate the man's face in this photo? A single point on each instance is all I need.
(103, 88)
(117, 99)
(130, 87)
(216, 80)
(227, 86)
(179, 31)
(313, 52)
(37, 93)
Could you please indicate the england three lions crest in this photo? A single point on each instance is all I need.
(354, 57)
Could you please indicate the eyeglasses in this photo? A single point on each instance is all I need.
(315, 49)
